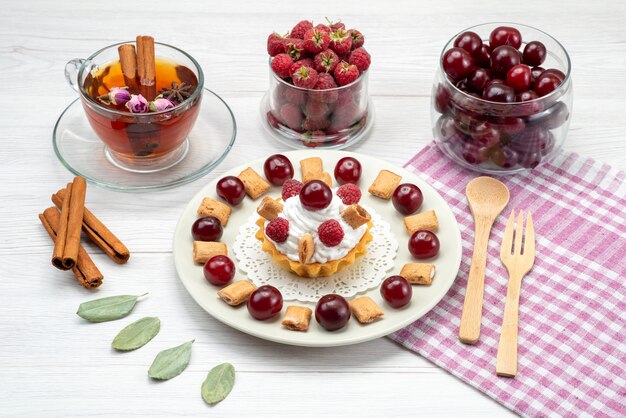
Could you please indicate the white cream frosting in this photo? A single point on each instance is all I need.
(302, 221)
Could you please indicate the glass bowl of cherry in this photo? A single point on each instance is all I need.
(502, 98)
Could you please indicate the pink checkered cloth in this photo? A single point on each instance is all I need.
(572, 320)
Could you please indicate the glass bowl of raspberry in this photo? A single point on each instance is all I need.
(502, 98)
(318, 87)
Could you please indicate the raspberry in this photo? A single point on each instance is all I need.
(335, 25)
(304, 62)
(346, 115)
(323, 27)
(294, 47)
(275, 44)
(295, 96)
(272, 120)
(330, 233)
(361, 58)
(278, 230)
(315, 109)
(346, 73)
(291, 188)
(316, 41)
(313, 139)
(299, 30)
(349, 193)
(281, 64)
(327, 94)
(357, 38)
(305, 77)
(311, 124)
(326, 61)
(341, 41)
(291, 115)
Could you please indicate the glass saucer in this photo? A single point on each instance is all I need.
(81, 151)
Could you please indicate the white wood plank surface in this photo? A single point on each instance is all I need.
(54, 364)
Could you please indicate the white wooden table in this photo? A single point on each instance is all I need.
(53, 363)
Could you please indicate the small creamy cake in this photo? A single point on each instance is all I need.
(315, 232)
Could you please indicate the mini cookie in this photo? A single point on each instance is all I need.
(297, 318)
(237, 293)
(418, 273)
(306, 248)
(365, 309)
(312, 169)
(269, 208)
(385, 184)
(425, 221)
(253, 183)
(204, 250)
(355, 216)
(212, 207)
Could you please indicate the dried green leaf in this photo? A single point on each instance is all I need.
(218, 383)
(137, 334)
(107, 309)
(171, 362)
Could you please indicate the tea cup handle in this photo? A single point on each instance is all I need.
(71, 72)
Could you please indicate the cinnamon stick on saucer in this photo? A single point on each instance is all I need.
(98, 232)
(146, 66)
(85, 270)
(68, 237)
(128, 61)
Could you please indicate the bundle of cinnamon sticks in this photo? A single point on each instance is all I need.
(139, 67)
(64, 228)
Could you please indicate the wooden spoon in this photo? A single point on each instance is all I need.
(487, 197)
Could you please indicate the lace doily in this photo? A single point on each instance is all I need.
(367, 271)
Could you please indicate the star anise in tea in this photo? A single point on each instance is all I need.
(178, 92)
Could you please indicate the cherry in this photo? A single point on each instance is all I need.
(482, 57)
(462, 85)
(265, 302)
(551, 118)
(407, 198)
(555, 72)
(486, 134)
(534, 53)
(503, 58)
(474, 153)
(505, 35)
(505, 157)
(219, 270)
(315, 195)
(518, 77)
(231, 189)
(526, 96)
(348, 170)
(278, 169)
(499, 92)
(441, 99)
(397, 291)
(530, 158)
(457, 63)
(469, 41)
(423, 244)
(208, 228)
(535, 73)
(511, 125)
(546, 83)
(477, 79)
(332, 312)
(445, 128)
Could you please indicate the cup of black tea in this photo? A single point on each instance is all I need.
(141, 99)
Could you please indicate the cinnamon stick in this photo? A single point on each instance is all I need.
(85, 270)
(68, 242)
(146, 66)
(98, 232)
(128, 61)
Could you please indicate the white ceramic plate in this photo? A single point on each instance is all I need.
(424, 297)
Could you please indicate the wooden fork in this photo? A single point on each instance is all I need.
(518, 261)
